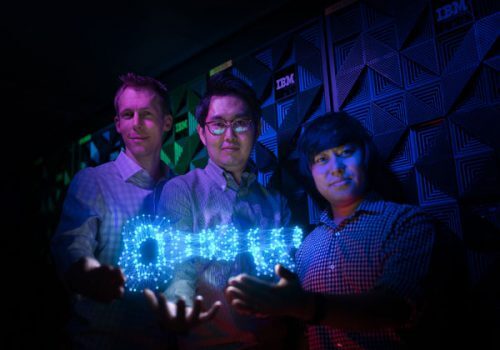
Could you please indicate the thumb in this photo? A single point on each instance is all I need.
(151, 298)
(283, 272)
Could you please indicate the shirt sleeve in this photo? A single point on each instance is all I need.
(78, 227)
(407, 253)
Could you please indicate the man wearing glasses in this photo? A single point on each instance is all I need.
(224, 192)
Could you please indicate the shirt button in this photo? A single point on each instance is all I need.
(337, 233)
(332, 267)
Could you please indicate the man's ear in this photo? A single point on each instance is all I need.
(117, 124)
(168, 121)
(201, 134)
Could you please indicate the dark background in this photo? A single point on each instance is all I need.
(426, 86)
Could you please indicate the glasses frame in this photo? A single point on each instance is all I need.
(229, 124)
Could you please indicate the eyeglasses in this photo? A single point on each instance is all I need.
(238, 126)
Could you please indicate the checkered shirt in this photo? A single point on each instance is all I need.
(99, 201)
(202, 199)
(382, 245)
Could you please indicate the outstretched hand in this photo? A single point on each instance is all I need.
(102, 283)
(252, 296)
(176, 316)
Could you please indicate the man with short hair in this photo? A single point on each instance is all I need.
(86, 245)
(224, 192)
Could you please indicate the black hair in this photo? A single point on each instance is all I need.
(332, 130)
(226, 84)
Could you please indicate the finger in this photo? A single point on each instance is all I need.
(210, 314)
(235, 293)
(181, 310)
(163, 311)
(121, 291)
(195, 314)
(151, 298)
(121, 276)
(249, 285)
(283, 272)
(236, 278)
(242, 308)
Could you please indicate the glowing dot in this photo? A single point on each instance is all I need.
(152, 249)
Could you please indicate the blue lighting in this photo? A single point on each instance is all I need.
(152, 249)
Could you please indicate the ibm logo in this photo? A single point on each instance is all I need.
(451, 9)
(287, 80)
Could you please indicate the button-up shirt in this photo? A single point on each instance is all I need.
(382, 245)
(202, 199)
(99, 201)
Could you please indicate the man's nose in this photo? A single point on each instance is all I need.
(137, 120)
(336, 165)
(229, 133)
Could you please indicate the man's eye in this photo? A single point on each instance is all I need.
(127, 115)
(320, 159)
(346, 152)
(241, 123)
(219, 125)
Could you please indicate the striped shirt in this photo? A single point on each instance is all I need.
(98, 202)
(202, 199)
(382, 245)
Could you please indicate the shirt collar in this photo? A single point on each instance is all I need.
(132, 172)
(371, 204)
(225, 179)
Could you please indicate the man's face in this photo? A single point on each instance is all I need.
(339, 174)
(229, 150)
(141, 123)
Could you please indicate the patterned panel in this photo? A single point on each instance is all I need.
(284, 110)
(418, 111)
(386, 142)
(342, 51)
(406, 181)
(199, 160)
(361, 92)
(346, 22)
(463, 143)
(478, 175)
(264, 178)
(426, 137)
(403, 156)
(394, 106)
(429, 192)
(448, 44)
(384, 121)
(449, 214)
(183, 144)
(309, 73)
(385, 34)
(430, 95)
(362, 113)
(382, 86)
(415, 24)
(420, 64)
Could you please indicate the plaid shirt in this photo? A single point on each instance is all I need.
(98, 202)
(381, 245)
(202, 199)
